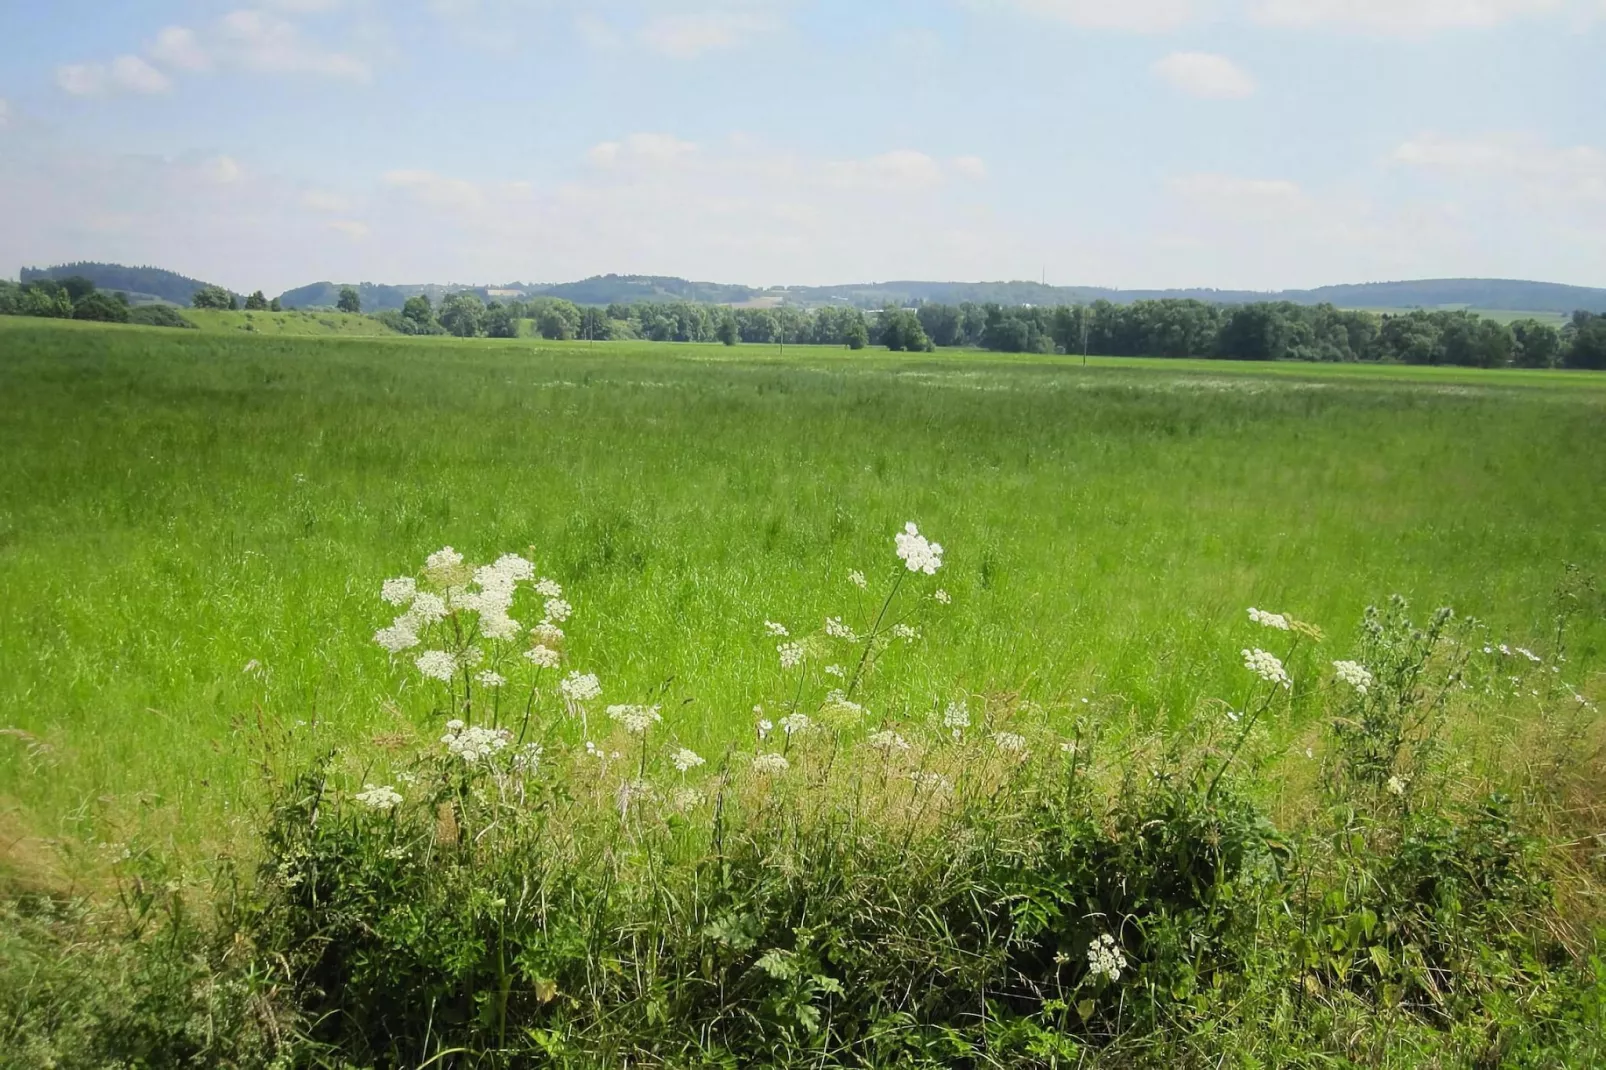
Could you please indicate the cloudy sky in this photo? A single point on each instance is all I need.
(1231, 143)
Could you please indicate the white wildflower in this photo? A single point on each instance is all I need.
(443, 560)
(1269, 620)
(581, 687)
(903, 631)
(857, 579)
(474, 743)
(917, 554)
(1104, 958)
(1529, 654)
(791, 654)
(1268, 667)
(383, 799)
(528, 759)
(1506, 650)
(956, 718)
(836, 670)
(557, 610)
(427, 608)
(396, 638)
(437, 665)
(685, 799)
(887, 741)
(399, 592)
(776, 629)
(490, 679)
(1355, 674)
(765, 727)
(770, 764)
(943, 596)
(514, 567)
(934, 781)
(543, 657)
(454, 725)
(796, 724)
(547, 634)
(548, 588)
(1396, 785)
(687, 760)
(635, 719)
(1010, 742)
(837, 630)
(500, 626)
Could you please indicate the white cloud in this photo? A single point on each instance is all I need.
(1242, 197)
(223, 170)
(179, 48)
(902, 169)
(260, 42)
(1518, 165)
(125, 74)
(1205, 75)
(436, 190)
(642, 149)
(688, 36)
(1141, 16)
(1401, 16)
(351, 228)
(973, 167)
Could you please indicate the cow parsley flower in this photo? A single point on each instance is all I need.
(918, 554)
(548, 588)
(443, 560)
(543, 657)
(887, 741)
(839, 711)
(581, 687)
(687, 760)
(796, 724)
(437, 665)
(475, 743)
(791, 654)
(836, 670)
(1397, 785)
(943, 597)
(956, 718)
(396, 638)
(399, 592)
(557, 610)
(837, 630)
(547, 634)
(776, 629)
(1104, 958)
(528, 759)
(1010, 742)
(490, 679)
(383, 799)
(1529, 654)
(857, 579)
(500, 626)
(770, 763)
(1268, 667)
(1353, 673)
(765, 727)
(635, 719)
(1269, 620)
(514, 567)
(904, 632)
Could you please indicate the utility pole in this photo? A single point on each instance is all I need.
(1084, 336)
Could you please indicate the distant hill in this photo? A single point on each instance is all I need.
(150, 283)
(374, 297)
(633, 289)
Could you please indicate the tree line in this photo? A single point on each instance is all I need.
(77, 298)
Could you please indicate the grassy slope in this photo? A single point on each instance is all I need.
(289, 324)
(193, 526)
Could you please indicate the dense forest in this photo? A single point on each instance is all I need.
(140, 284)
(1164, 328)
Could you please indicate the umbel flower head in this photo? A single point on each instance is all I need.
(1104, 958)
(581, 687)
(1269, 667)
(917, 553)
(1355, 674)
(635, 719)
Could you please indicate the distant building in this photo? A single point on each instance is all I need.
(504, 293)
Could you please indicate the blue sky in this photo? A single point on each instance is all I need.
(1231, 143)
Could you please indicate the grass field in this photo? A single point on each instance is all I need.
(288, 324)
(193, 527)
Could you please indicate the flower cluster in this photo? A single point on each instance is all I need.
(956, 718)
(1104, 958)
(474, 743)
(635, 719)
(687, 760)
(383, 799)
(1269, 620)
(581, 687)
(1355, 674)
(917, 553)
(887, 742)
(837, 630)
(795, 724)
(1269, 667)
(770, 763)
(1010, 742)
(791, 654)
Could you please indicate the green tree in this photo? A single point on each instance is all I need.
(257, 302)
(728, 332)
(901, 330)
(101, 307)
(215, 297)
(275, 306)
(462, 314)
(856, 335)
(349, 301)
(500, 321)
(1588, 346)
(77, 287)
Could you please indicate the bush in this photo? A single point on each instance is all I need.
(158, 316)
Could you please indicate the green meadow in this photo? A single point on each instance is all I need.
(194, 527)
